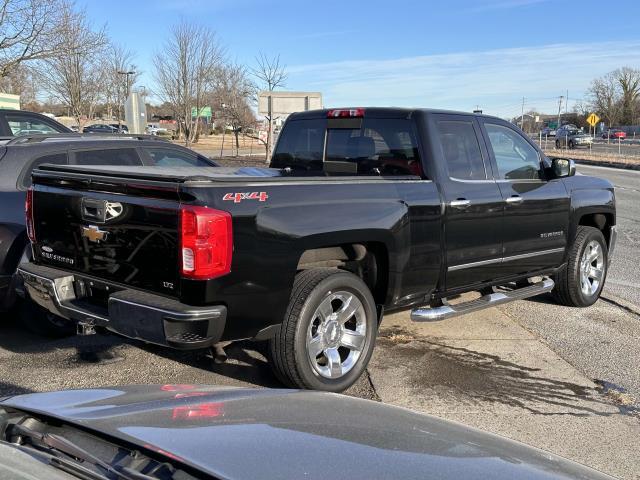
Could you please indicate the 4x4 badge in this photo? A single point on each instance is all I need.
(94, 234)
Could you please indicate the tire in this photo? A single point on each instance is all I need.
(557, 144)
(305, 326)
(571, 146)
(41, 322)
(571, 289)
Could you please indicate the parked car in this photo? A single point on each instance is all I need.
(615, 134)
(548, 132)
(569, 136)
(21, 155)
(20, 122)
(101, 128)
(193, 432)
(364, 211)
(153, 130)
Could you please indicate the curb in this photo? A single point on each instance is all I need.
(621, 303)
(595, 163)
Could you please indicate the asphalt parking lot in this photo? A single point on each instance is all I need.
(526, 370)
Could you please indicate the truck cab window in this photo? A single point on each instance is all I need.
(515, 157)
(382, 146)
(300, 146)
(460, 150)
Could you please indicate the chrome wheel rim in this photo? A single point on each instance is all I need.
(336, 335)
(591, 268)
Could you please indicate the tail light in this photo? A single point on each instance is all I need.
(28, 210)
(206, 242)
(346, 113)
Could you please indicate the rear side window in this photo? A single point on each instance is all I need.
(375, 147)
(166, 157)
(55, 159)
(114, 156)
(461, 150)
(28, 125)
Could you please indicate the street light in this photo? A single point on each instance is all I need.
(127, 74)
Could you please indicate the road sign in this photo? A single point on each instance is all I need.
(593, 119)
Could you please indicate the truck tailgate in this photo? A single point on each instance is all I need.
(120, 230)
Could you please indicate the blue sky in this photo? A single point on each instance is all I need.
(453, 54)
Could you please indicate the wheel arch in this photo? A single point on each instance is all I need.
(369, 260)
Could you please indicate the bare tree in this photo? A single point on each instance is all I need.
(74, 75)
(234, 90)
(185, 72)
(28, 31)
(605, 98)
(629, 80)
(271, 74)
(20, 81)
(116, 84)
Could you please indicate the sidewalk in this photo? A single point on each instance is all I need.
(486, 371)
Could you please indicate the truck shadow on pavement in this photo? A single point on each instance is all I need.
(245, 363)
(458, 375)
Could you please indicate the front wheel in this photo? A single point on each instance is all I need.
(557, 144)
(580, 282)
(571, 146)
(328, 334)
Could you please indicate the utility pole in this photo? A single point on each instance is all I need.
(127, 87)
(522, 116)
(559, 109)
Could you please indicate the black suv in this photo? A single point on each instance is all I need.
(14, 123)
(20, 155)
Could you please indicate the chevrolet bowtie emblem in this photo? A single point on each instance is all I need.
(94, 234)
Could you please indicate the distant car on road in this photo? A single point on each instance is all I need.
(20, 122)
(121, 126)
(615, 134)
(100, 128)
(194, 432)
(548, 132)
(571, 137)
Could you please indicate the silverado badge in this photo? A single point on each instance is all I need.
(94, 234)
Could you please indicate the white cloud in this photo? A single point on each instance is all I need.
(494, 79)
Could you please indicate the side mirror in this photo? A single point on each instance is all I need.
(563, 167)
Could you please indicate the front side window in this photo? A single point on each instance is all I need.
(461, 150)
(515, 157)
(113, 156)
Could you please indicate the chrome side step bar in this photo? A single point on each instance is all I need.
(434, 314)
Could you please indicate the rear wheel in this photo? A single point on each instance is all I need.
(328, 334)
(557, 144)
(45, 323)
(580, 283)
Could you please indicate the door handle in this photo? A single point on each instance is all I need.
(514, 200)
(460, 204)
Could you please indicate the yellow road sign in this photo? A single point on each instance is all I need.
(593, 119)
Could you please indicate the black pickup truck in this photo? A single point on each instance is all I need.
(362, 211)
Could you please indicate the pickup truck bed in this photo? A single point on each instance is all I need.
(364, 211)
